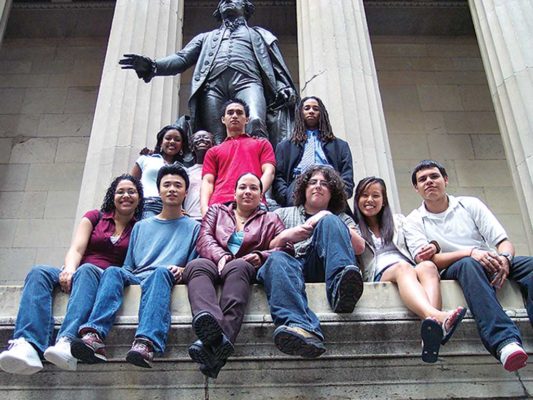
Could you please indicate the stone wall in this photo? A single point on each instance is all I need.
(437, 105)
(48, 90)
(435, 97)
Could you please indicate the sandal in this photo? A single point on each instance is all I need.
(453, 321)
(432, 334)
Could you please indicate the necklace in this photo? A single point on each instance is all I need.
(241, 219)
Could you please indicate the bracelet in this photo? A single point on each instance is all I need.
(436, 244)
(471, 251)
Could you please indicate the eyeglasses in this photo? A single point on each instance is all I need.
(321, 183)
(130, 192)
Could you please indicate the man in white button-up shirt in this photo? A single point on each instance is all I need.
(475, 251)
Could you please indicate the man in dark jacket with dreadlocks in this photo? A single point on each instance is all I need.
(312, 142)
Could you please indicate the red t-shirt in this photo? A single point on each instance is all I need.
(232, 158)
(100, 250)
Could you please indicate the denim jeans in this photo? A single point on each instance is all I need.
(35, 321)
(154, 310)
(152, 207)
(494, 326)
(284, 276)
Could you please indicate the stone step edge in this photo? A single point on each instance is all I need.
(380, 301)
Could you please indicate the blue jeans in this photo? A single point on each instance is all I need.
(284, 276)
(35, 321)
(494, 326)
(154, 310)
(152, 207)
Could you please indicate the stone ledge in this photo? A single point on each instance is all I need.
(380, 301)
(372, 353)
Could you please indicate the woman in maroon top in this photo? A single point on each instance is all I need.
(101, 240)
(234, 242)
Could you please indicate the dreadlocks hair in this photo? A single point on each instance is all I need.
(325, 133)
(385, 219)
(108, 205)
(184, 141)
(337, 203)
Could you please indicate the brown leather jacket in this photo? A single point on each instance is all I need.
(219, 224)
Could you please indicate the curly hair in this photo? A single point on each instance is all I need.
(184, 141)
(325, 132)
(385, 219)
(337, 203)
(108, 205)
(249, 9)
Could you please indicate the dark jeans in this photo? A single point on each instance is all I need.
(201, 276)
(495, 328)
(284, 276)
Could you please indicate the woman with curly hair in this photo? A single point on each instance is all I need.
(386, 259)
(100, 241)
(171, 146)
(312, 143)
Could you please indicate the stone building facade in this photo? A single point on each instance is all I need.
(403, 80)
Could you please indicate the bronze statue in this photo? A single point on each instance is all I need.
(233, 61)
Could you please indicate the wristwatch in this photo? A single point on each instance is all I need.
(507, 255)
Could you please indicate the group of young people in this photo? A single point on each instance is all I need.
(204, 222)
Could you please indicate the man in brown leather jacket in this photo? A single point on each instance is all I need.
(233, 61)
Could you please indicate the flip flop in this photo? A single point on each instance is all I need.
(455, 319)
(431, 332)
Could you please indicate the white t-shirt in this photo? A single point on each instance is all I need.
(466, 223)
(192, 201)
(150, 166)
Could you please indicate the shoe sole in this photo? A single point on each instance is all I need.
(431, 333)
(515, 361)
(350, 291)
(455, 325)
(207, 329)
(200, 356)
(85, 353)
(136, 358)
(210, 372)
(17, 366)
(60, 361)
(295, 345)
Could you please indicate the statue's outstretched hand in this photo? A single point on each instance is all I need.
(143, 66)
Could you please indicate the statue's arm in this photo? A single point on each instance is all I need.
(285, 87)
(182, 60)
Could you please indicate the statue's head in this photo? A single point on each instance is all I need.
(234, 8)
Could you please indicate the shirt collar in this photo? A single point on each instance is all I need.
(244, 135)
(452, 204)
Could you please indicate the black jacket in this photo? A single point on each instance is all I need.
(289, 155)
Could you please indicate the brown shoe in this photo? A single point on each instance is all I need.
(141, 353)
(296, 341)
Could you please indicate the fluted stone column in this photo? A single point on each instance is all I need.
(337, 65)
(504, 31)
(5, 8)
(130, 112)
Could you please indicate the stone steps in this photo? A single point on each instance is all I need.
(372, 353)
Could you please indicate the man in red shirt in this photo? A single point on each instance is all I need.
(239, 153)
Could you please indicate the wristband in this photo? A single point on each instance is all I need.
(436, 244)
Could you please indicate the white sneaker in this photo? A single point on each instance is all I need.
(60, 355)
(513, 357)
(20, 358)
